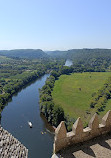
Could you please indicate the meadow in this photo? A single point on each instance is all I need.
(74, 93)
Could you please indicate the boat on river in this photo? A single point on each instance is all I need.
(30, 124)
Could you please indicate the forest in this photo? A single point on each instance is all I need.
(15, 73)
(20, 67)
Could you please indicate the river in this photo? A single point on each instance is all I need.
(68, 63)
(24, 107)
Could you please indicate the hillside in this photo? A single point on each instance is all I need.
(83, 59)
(86, 59)
(83, 53)
(24, 53)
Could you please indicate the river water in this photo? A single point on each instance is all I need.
(24, 107)
(68, 63)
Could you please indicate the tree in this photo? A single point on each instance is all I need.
(58, 115)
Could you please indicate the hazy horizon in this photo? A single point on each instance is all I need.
(48, 50)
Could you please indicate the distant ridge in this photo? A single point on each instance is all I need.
(76, 54)
(24, 53)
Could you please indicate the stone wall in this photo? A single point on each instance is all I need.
(79, 134)
(10, 147)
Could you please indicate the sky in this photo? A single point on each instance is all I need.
(55, 24)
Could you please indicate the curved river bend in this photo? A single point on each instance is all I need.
(24, 107)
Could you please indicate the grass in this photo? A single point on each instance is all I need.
(74, 92)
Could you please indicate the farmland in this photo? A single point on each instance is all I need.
(74, 93)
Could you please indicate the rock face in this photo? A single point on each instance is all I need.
(10, 147)
(78, 134)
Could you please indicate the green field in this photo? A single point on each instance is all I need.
(74, 92)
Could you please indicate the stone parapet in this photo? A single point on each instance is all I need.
(10, 147)
(64, 139)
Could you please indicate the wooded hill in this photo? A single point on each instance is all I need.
(84, 60)
(87, 59)
(75, 54)
(24, 53)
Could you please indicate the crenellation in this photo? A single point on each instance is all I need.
(70, 134)
(61, 131)
(77, 127)
(94, 122)
(87, 130)
(106, 120)
(63, 138)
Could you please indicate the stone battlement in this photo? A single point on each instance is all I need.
(79, 134)
(10, 146)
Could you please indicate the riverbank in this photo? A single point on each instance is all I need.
(54, 113)
(48, 126)
(24, 107)
(16, 87)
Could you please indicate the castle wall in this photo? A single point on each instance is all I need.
(79, 134)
